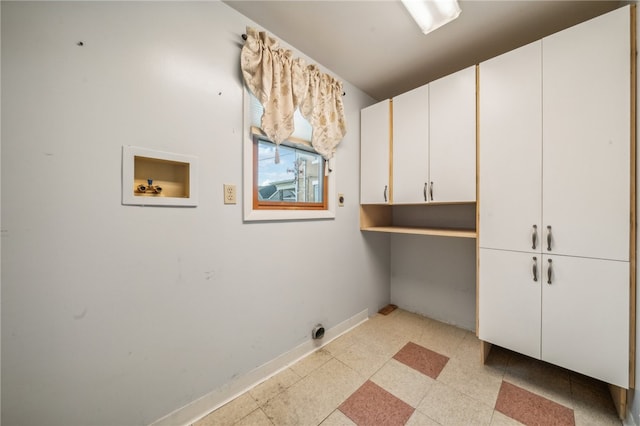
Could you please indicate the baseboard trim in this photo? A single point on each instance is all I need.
(628, 420)
(199, 408)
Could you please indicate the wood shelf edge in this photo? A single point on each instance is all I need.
(441, 232)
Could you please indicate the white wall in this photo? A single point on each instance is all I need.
(114, 314)
(435, 276)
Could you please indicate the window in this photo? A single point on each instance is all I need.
(296, 182)
(296, 187)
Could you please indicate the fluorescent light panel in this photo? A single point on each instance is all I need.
(432, 14)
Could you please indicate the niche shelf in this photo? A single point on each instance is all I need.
(156, 178)
(445, 220)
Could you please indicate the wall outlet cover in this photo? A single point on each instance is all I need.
(229, 194)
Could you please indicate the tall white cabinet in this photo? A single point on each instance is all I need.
(510, 149)
(554, 199)
(586, 115)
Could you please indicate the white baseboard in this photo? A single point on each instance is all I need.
(629, 420)
(199, 408)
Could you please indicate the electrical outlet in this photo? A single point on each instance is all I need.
(229, 194)
(340, 200)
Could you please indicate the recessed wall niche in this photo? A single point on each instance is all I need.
(156, 178)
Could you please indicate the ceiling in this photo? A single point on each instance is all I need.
(376, 46)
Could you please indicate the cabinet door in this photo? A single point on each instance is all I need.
(585, 317)
(510, 155)
(586, 110)
(509, 300)
(411, 146)
(374, 153)
(452, 137)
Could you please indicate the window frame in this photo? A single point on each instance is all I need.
(299, 212)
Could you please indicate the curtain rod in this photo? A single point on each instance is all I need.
(244, 37)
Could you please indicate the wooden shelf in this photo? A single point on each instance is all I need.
(441, 232)
(443, 220)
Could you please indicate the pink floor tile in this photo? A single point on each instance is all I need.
(372, 406)
(531, 409)
(422, 359)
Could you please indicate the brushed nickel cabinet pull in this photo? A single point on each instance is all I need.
(534, 237)
(385, 193)
(549, 272)
(548, 238)
(535, 268)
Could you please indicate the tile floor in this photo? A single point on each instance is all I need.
(402, 369)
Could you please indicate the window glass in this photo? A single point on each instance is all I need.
(302, 129)
(297, 179)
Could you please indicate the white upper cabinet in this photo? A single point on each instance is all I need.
(434, 141)
(452, 137)
(411, 146)
(586, 133)
(374, 153)
(510, 154)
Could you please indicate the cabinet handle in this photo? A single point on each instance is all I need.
(534, 237)
(535, 268)
(424, 191)
(548, 238)
(431, 191)
(549, 272)
(385, 193)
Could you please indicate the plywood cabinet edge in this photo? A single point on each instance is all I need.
(483, 356)
(633, 201)
(374, 215)
(619, 397)
(485, 349)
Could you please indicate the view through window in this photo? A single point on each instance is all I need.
(298, 180)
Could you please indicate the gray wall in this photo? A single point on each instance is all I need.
(115, 314)
(435, 276)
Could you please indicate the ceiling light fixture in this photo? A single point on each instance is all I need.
(432, 14)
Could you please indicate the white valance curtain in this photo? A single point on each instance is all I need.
(282, 83)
